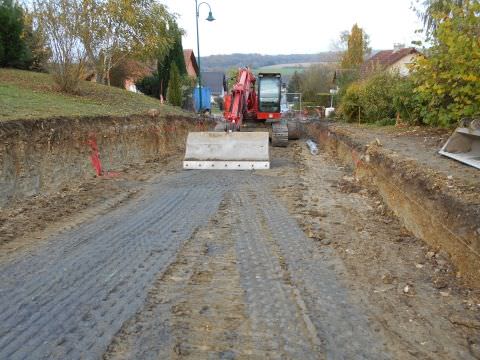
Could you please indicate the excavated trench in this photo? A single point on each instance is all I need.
(426, 206)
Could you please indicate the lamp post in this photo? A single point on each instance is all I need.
(209, 18)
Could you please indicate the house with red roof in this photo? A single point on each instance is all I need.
(396, 60)
(190, 63)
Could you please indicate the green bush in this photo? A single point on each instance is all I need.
(352, 106)
(379, 94)
(407, 102)
(149, 85)
(380, 98)
(343, 81)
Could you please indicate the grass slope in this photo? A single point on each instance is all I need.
(29, 95)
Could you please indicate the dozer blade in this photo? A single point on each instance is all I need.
(464, 144)
(227, 151)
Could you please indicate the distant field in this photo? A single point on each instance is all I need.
(29, 95)
(285, 71)
(288, 70)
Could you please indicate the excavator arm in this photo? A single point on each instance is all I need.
(242, 101)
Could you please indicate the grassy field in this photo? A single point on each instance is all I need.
(29, 95)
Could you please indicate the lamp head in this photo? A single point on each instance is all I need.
(210, 17)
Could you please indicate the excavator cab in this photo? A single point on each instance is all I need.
(269, 95)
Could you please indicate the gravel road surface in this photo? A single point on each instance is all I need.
(202, 265)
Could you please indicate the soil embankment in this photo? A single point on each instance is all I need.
(427, 202)
(42, 156)
(49, 168)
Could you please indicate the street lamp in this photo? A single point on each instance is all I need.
(209, 18)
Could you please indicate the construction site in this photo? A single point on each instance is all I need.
(364, 250)
(264, 212)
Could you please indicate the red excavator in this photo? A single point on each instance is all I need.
(244, 104)
(251, 103)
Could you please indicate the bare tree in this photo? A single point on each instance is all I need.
(59, 19)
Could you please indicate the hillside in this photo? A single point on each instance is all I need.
(225, 62)
(29, 95)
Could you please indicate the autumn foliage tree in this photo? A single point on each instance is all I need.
(357, 48)
(448, 79)
(112, 30)
(105, 31)
(443, 86)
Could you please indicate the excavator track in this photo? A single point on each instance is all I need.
(279, 135)
(294, 129)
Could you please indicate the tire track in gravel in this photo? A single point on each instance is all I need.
(280, 324)
(196, 308)
(342, 325)
(68, 299)
(225, 297)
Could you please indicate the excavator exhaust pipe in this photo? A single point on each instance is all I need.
(227, 151)
(464, 144)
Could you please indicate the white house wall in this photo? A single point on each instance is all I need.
(401, 66)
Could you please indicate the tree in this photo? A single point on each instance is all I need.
(60, 21)
(13, 49)
(316, 80)
(448, 80)
(435, 11)
(294, 85)
(173, 56)
(107, 31)
(176, 51)
(111, 30)
(357, 48)
(174, 94)
(36, 42)
(163, 72)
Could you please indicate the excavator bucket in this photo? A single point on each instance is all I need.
(227, 151)
(464, 144)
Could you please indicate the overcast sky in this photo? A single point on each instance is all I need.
(292, 26)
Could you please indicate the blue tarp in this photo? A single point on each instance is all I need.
(206, 93)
